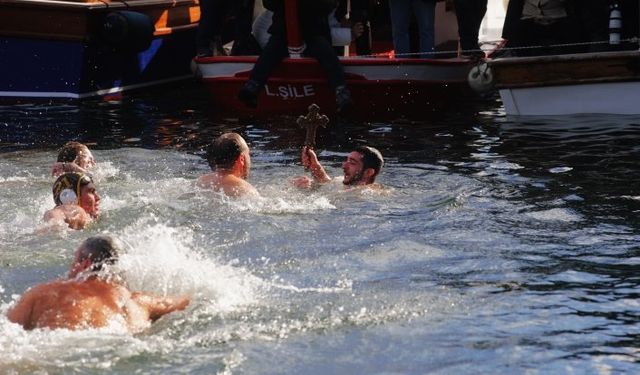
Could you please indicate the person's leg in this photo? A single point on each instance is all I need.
(205, 33)
(400, 11)
(274, 52)
(425, 17)
(469, 14)
(243, 12)
(320, 48)
(360, 13)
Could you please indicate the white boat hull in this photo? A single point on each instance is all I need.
(609, 98)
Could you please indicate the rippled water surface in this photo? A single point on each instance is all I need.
(501, 245)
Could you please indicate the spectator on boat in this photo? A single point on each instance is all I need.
(213, 14)
(314, 27)
(342, 34)
(73, 157)
(424, 11)
(361, 167)
(358, 14)
(91, 297)
(532, 26)
(77, 201)
(228, 157)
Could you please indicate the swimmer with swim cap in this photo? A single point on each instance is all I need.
(77, 201)
(90, 298)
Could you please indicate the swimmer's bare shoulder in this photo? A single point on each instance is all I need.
(73, 216)
(230, 185)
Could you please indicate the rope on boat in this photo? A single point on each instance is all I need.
(497, 43)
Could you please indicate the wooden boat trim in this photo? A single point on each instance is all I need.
(576, 69)
(76, 21)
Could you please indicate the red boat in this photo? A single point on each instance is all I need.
(380, 85)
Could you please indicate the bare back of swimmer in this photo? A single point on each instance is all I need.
(86, 300)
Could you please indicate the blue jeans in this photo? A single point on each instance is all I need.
(424, 11)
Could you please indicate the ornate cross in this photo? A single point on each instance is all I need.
(311, 121)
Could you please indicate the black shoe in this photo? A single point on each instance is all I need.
(248, 94)
(343, 100)
(204, 52)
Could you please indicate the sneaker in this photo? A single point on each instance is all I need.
(343, 100)
(248, 94)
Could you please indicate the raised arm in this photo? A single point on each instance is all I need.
(159, 306)
(65, 167)
(310, 161)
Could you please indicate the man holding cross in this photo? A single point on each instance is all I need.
(360, 168)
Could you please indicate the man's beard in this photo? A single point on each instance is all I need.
(356, 178)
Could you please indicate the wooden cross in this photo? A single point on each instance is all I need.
(311, 121)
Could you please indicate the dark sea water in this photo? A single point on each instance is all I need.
(502, 245)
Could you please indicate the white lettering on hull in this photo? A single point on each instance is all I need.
(287, 92)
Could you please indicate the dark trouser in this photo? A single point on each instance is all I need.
(212, 13)
(469, 14)
(360, 13)
(317, 47)
(243, 12)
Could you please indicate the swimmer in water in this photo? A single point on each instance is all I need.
(228, 157)
(360, 168)
(73, 157)
(89, 298)
(77, 201)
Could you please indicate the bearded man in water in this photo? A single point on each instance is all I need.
(89, 298)
(361, 167)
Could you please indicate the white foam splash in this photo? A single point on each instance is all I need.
(555, 214)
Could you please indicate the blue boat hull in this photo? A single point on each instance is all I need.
(77, 69)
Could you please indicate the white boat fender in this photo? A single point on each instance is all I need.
(128, 31)
(480, 78)
(615, 23)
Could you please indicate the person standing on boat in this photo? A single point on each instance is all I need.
(90, 297)
(228, 157)
(469, 14)
(424, 11)
(314, 27)
(77, 201)
(360, 168)
(342, 34)
(73, 157)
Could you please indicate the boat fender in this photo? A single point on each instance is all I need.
(615, 23)
(128, 31)
(480, 78)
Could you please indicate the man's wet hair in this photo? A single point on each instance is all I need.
(224, 150)
(69, 151)
(371, 158)
(101, 250)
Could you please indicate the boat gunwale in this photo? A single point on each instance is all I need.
(347, 60)
(118, 4)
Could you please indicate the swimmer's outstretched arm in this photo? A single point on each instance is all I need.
(310, 160)
(159, 306)
(65, 167)
(22, 312)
